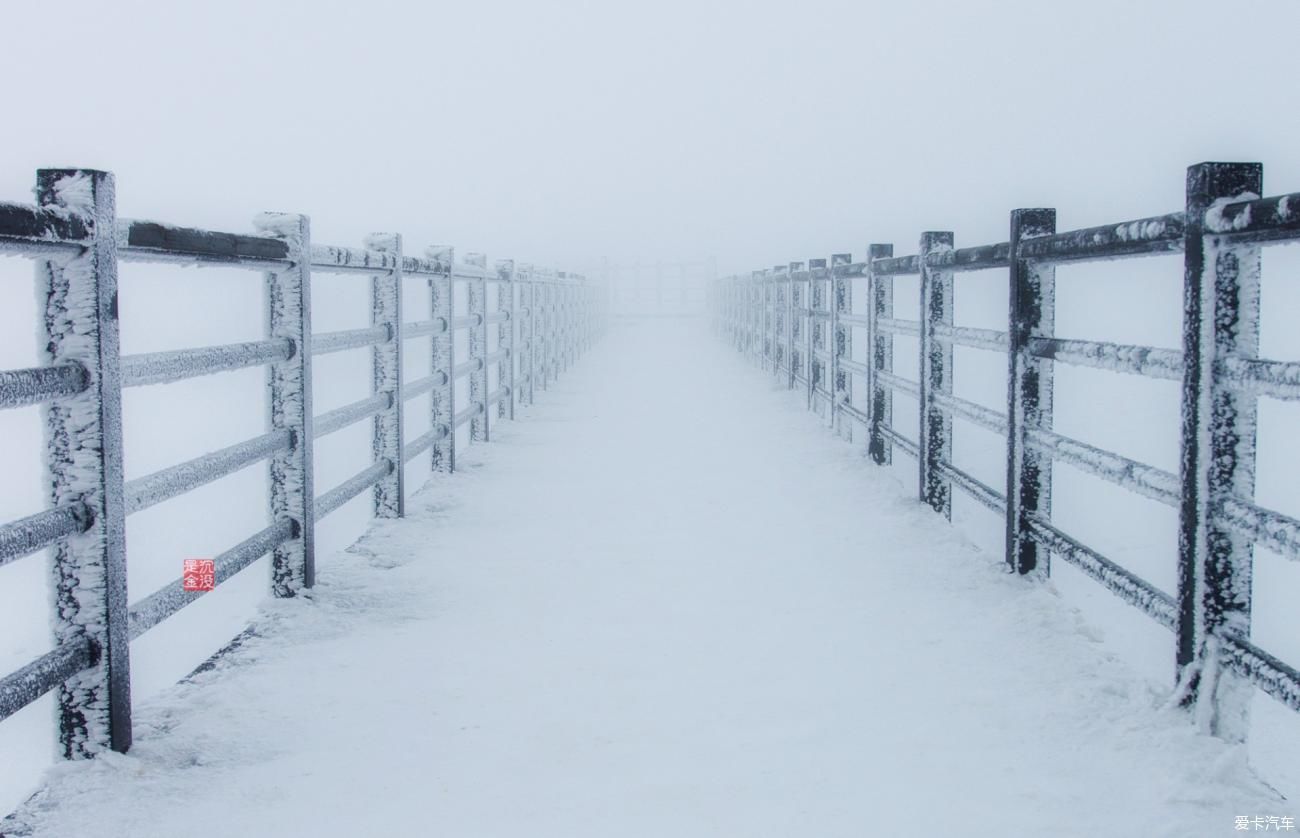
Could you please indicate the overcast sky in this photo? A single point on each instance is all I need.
(564, 133)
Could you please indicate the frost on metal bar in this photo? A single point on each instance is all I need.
(341, 417)
(506, 335)
(898, 327)
(466, 367)
(1115, 357)
(896, 265)
(329, 259)
(172, 597)
(978, 258)
(420, 386)
(51, 669)
(1126, 585)
(880, 305)
(908, 446)
(1146, 236)
(1263, 670)
(424, 442)
(386, 365)
(288, 306)
(148, 241)
(893, 382)
(442, 359)
(353, 486)
(1279, 533)
(935, 434)
(468, 414)
(423, 327)
(990, 339)
(1259, 220)
(328, 342)
(976, 413)
(77, 300)
(36, 532)
(1278, 379)
(21, 224)
(178, 365)
(20, 388)
(984, 494)
(1145, 480)
(153, 489)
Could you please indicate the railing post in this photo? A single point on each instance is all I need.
(777, 280)
(531, 285)
(476, 299)
(506, 336)
(1221, 310)
(812, 328)
(386, 310)
(790, 331)
(83, 463)
(288, 305)
(880, 303)
(443, 399)
(841, 340)
(935, 438)
(1032, 313)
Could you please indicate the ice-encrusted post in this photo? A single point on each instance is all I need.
(476, 307)
(790, 332)
(777, 281)
(1032, 314)
(880, 303)
(531, 286)
(935, 436)
(83, 462)
(841, 343)
(812, 327)
(443, 399)
(754, 305)
(1220, 322)
(386, 310)
(288, 316)
(506, 336)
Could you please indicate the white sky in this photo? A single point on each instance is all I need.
(563, 133)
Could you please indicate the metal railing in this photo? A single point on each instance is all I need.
(782, 318)
(543, 320)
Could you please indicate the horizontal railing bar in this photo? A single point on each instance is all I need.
(464, 368)
(1116, 357)
(34, 680)
(498, 317)
(1279, 379)
(463, 271)
(328, 342)
(979, 258)
(36, 532)
(851, 271)
(180, 364)
(896, 266)
(149, 241)
(855, 319)
(172, 597)
(853, 413)
(972, 412)
(423, 443)
(353, 486)
(437, 326)
(38, 249)
(467, 321)
(340, 417)
(1259, 220)
(984, 494)
(424, 267)
(150, 490)
(1141, 478)
(854, 366)
(898, 327)
(1128, 586)
(420, 386)
(901, 384)
(498, 394)
(329, 259)
(497, 355)
(1265, 671)
(20, 388)
(468, 413)
(901, 441)
(990, 339)
(23, 223)
(1159, 234)
(1280, 533)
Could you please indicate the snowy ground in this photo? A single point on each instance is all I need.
(663, 604)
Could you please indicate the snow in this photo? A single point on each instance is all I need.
(653, 643)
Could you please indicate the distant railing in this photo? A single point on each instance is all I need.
(543, 320)
(782, 318)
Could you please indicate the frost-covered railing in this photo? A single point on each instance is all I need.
(783, 319)
(543, 320)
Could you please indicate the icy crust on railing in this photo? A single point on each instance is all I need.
(353, 486)
(1158, 234)
(152, 489)
(33, 386)
(324, 257)
(1143, 479)
(178, 365)
(1115, 357)
(1276, 531)
(972, 337)
(971, 411)
(1270, 674)
(1279, 379)
(40, 224)
(36, 532)
(978, 258)
(156, 241)
(339, 418)
(41, 675)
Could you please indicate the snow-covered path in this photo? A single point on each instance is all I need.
(664, 603)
